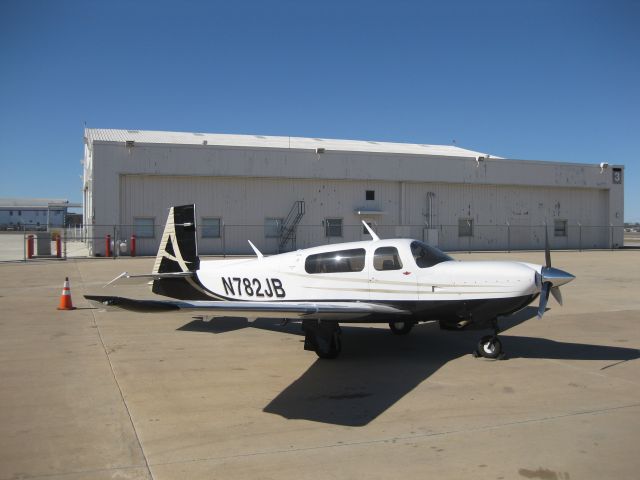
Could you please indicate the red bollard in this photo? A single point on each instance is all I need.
(107, 249)
(29, 246)
(132, 248)
(59, 246)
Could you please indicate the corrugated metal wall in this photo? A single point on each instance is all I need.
(244, 203)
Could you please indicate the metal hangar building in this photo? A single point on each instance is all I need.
(284, 193)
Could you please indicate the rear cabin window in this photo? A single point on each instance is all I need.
(336, 262)
(386, 258)
(427, 256)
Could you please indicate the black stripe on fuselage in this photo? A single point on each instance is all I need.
(477, 311)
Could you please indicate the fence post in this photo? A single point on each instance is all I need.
(224, 240)
(579, 237)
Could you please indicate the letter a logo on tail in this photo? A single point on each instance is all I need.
(178, 250)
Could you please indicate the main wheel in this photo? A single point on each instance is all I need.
(400, 328)
(490, 346)
(329, 349)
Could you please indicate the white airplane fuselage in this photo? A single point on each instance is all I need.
(451, 284)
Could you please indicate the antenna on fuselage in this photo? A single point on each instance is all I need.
(371, 232)
(255, 249)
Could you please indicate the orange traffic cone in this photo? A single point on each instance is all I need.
(65, 297)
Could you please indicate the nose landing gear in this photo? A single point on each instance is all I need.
(490, 346)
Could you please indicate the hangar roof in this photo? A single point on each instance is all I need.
(261, 141)
(34, 202)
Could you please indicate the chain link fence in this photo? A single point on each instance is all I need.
(113, 241)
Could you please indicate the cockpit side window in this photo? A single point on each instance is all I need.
(427, 256)
(386, 258)
(336, 262)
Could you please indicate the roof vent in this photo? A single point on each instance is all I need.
(133, 131)
(199, 134)
(260, 136)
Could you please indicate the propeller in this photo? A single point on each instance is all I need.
(544, 298)
(550, 279)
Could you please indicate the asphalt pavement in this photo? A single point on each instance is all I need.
(89, 394)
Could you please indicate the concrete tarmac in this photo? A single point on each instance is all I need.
(86, 394)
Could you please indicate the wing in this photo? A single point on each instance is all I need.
(290, 310)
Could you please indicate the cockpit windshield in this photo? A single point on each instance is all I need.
(427, 256)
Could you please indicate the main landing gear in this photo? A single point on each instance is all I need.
(322, 337)
(490, 346)
(401, 328)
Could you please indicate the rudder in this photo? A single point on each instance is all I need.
(178, 252)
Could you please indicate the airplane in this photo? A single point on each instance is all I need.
(401, 282)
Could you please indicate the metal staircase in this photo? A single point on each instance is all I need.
(290, 224)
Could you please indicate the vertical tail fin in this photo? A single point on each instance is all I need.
(178, 250)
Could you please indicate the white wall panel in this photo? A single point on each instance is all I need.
(243, 186)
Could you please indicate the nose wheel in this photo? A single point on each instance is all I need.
(490, 346)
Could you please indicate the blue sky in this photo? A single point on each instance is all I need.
(539, 79)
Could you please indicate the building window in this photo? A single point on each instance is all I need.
(143, 227)
(386, 258)
(465, 227)
(11, 213)
(272, 227)
(336, 262)
(371, 195)
(210, 227)
(559, 228)
(333, 227)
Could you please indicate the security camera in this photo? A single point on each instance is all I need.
(320, 150)
(603, 166)
(479, 159)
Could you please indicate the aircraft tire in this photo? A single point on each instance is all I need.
(333, 351)
(400, 328)
(489, 346)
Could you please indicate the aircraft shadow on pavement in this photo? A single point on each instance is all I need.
(377, 368)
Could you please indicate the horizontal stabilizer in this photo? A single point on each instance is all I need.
(126, 278)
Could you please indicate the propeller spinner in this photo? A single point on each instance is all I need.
(551, 279)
